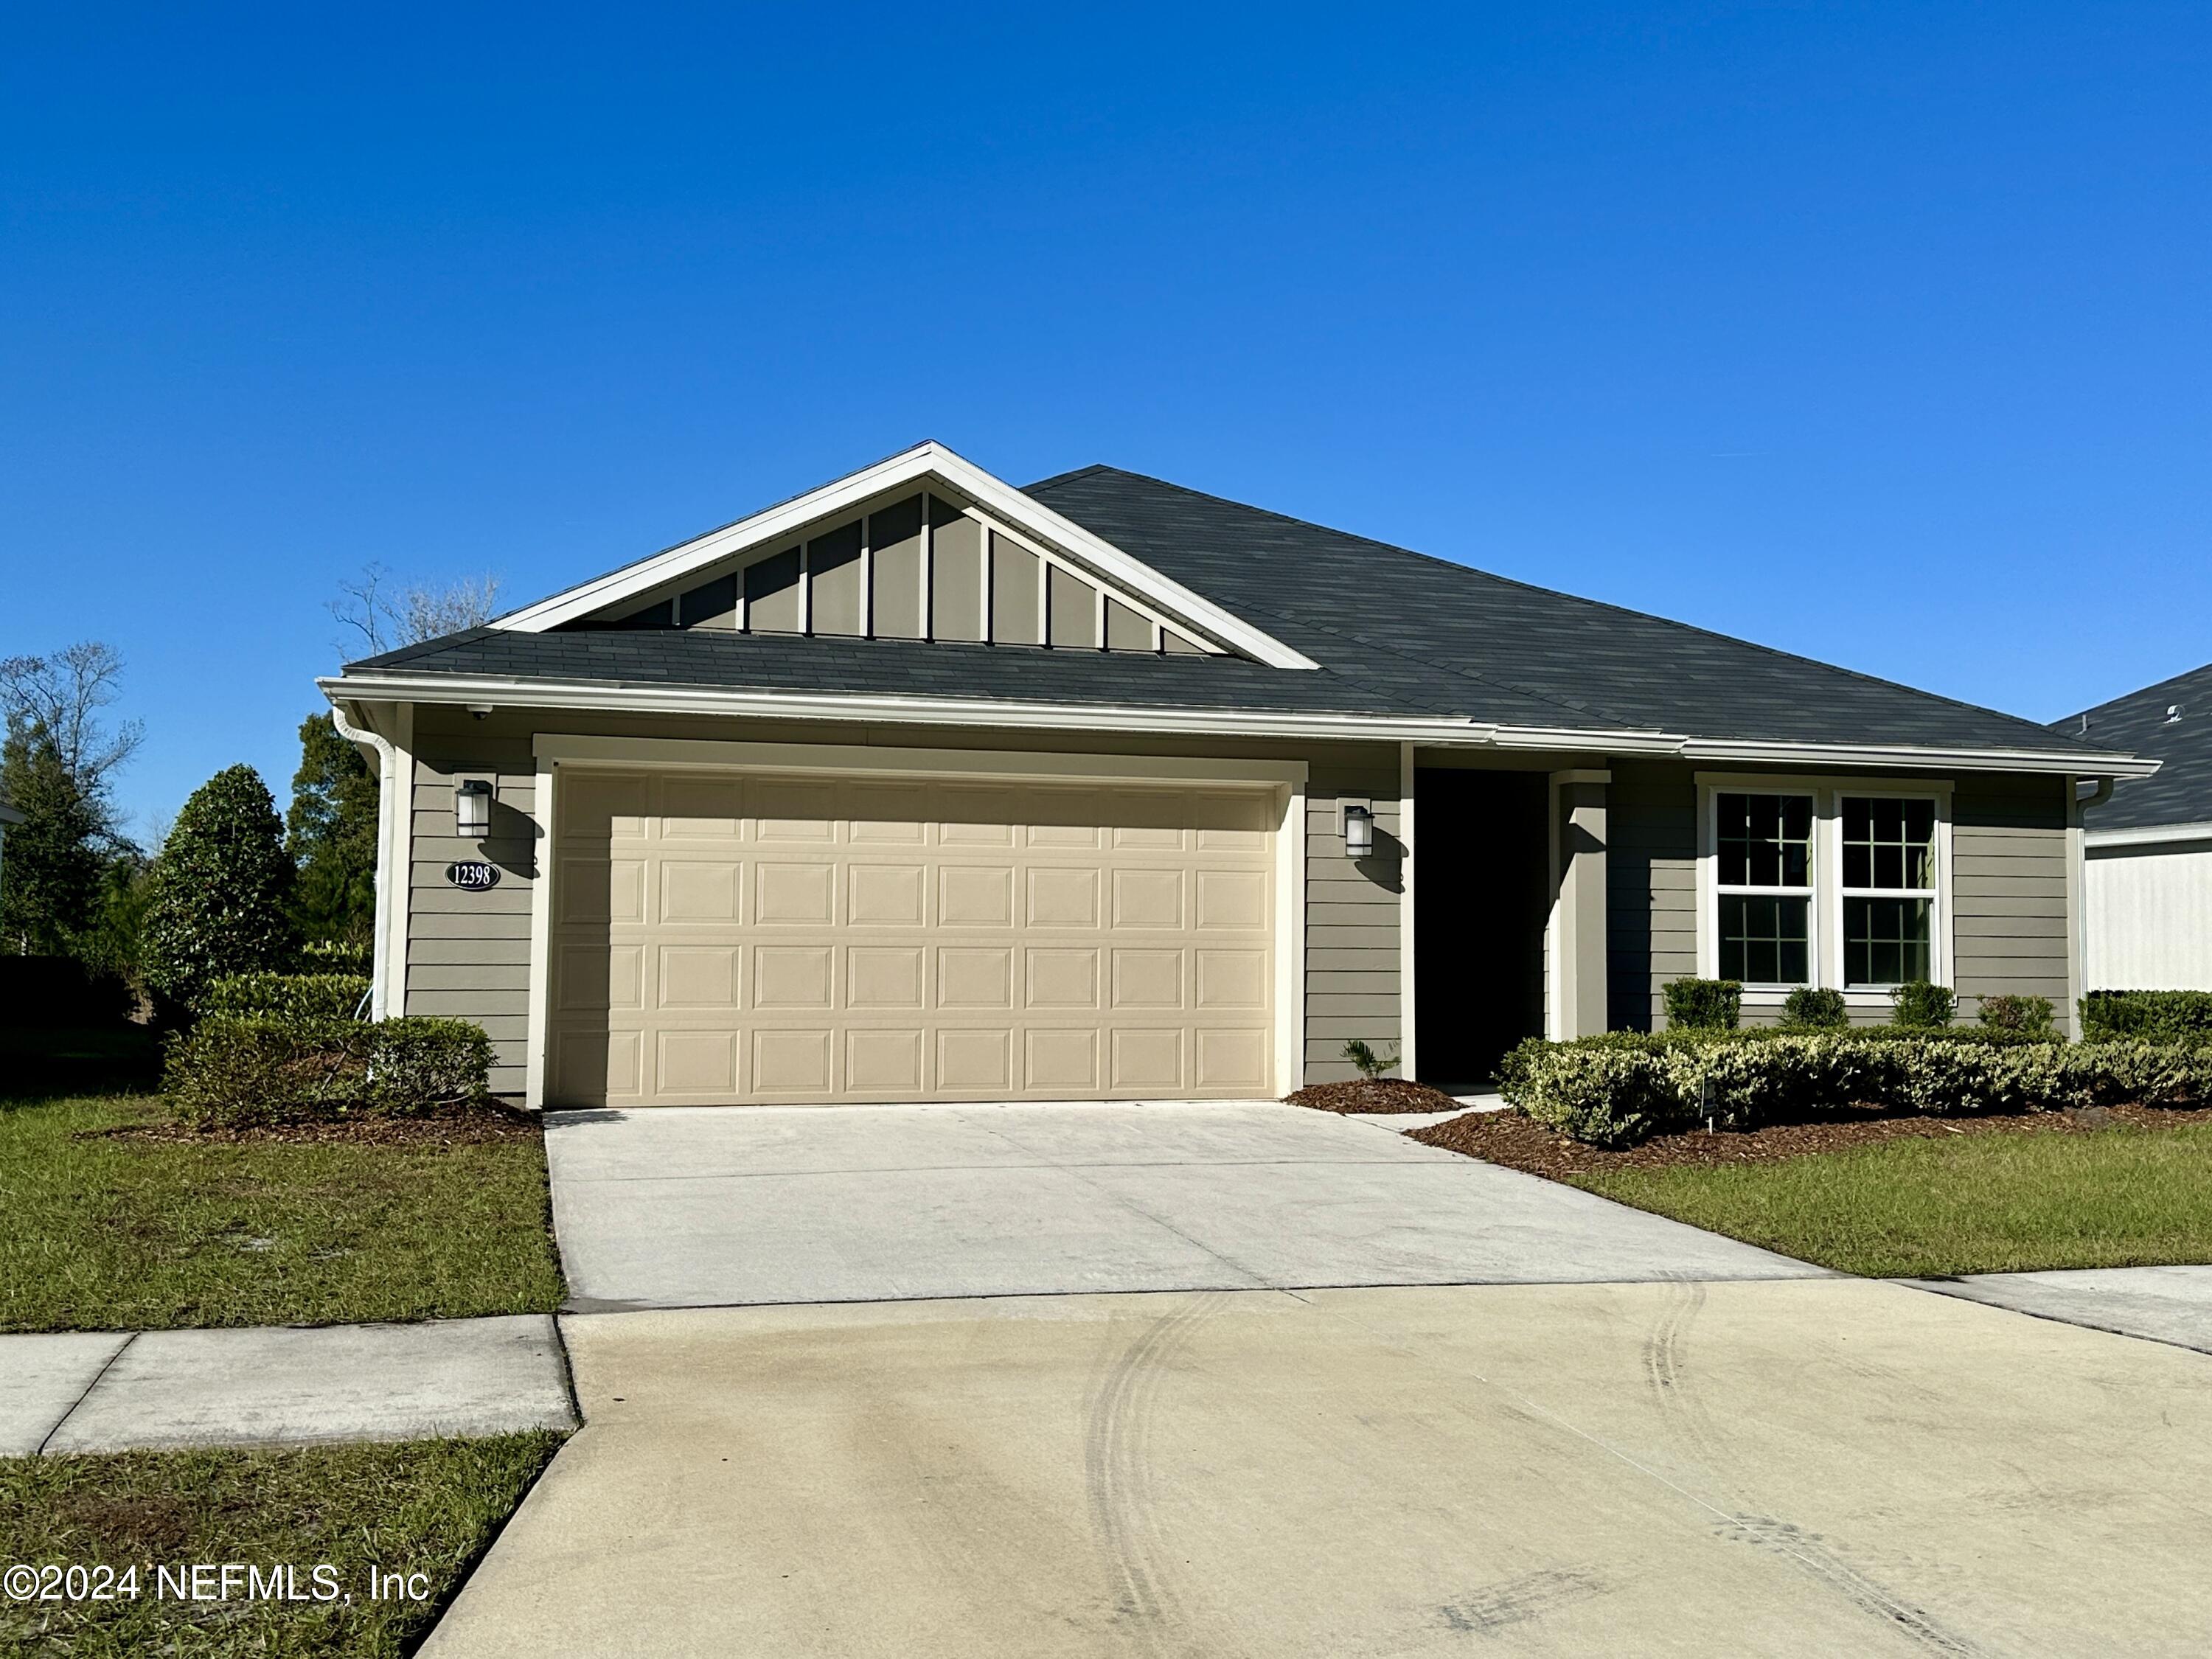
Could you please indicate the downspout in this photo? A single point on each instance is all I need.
(2077, 897)
(387, 798)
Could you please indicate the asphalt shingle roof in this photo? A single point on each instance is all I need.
(2180, 791)
(1394, 632)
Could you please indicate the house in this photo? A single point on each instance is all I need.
(921, 786)
(2148, 879)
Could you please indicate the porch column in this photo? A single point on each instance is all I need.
(1578, 930)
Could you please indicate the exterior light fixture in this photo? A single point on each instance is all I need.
(1358, 832)
(473, 809)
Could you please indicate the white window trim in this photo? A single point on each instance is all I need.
(1826, 922)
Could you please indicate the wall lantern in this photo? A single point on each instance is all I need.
(472, 808)
(1358, 832)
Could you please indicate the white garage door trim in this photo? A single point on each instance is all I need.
(1284, 780)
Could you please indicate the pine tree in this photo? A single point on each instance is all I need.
(223, 890)
(50, 878)
(331, 832)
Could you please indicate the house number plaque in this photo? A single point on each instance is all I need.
(474, 875)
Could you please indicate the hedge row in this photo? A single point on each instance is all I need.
(2148, 1016)
(1618, 1090)
(289, 996)
(232, 1071)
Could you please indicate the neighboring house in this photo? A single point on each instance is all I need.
(2148, 888)
(920, 787)
(7, 815)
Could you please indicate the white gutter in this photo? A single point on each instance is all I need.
(2148, 834)
(1436, 731)
(386, 800)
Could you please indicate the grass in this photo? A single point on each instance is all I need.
(430, 1507)
(2123, 1197)
(109, 1233)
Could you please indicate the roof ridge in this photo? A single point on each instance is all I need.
(1579, 599)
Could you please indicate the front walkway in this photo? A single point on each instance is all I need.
(713, 1207)
(276, 1385)
(2163, 1304)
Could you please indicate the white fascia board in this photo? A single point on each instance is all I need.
(1439, 731)
(2148, 835)
(2059, 763)
(910, 466)
(1436, 731)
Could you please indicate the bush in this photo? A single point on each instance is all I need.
(287, 996)
(336, 955)
(221, 890)
(2027, 1016)
(1364, 1061)
(235, 1071)
(2146, 1016)
(1703, 1004)
(1616, 1090)
(1921, 1006)
(1815, 1008)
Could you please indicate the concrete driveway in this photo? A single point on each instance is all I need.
(1819, 1466)
(715, 1207)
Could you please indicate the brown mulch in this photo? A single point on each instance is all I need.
(469, 1127)
(1372, 1094)
(1521, 1143)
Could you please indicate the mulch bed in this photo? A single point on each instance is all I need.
(1521, 1143)
(1377, 1094)
(462, 1129)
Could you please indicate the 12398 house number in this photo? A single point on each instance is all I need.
(475, 876)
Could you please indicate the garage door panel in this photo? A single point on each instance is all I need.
(699, 890)
(696, 976)
(886, 894)
(1147, 979)
(1063, 898)
(1148, 1059)
(980, 895)
(884, 976)
(792, 976)
(762, 937)
(975, 976)
(1063, 976)
(790, 894)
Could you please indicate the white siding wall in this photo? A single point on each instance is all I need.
(2149, 915)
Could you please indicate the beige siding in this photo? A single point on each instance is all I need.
(2149, 918)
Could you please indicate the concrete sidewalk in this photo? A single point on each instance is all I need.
(280, 1385)
(2161, 1304)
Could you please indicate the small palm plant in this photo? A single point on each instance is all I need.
(1370, 1065)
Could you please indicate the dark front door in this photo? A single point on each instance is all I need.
(1481, 892)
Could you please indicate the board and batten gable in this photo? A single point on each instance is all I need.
(468, 953)
(2010, 924)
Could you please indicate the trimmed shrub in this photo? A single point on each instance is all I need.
(220, 890)
(1921, 1006)
(1815, 1008)
(287, 996)
(1703, 1004)
(1616, 1090)
(2027, 1016)
(2146, 1016)
(336, 955)
(235, 1071)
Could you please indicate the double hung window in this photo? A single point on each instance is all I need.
(1812, 882)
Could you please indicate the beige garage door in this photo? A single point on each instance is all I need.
(753, 937)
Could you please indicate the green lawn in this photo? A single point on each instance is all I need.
(1985, 1203)
(427, 1507)
(105, 1233)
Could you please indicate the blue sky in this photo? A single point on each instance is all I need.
(1876, 333)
